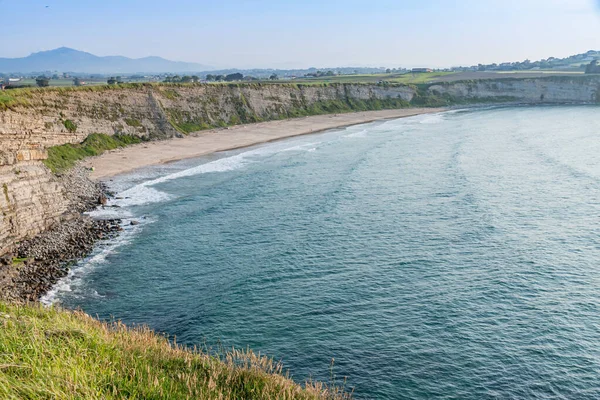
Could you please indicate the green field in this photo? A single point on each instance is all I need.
(408, 78)
(543, 71)
(59, 82)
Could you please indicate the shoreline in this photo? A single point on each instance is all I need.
(48, 257)
(197, 144)
(32, 267)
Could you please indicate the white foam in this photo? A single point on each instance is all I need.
(109, 213)
(74, 279)
(432, 119)
(144, 193)
(359, 134)
(302, 147)
(139, 195)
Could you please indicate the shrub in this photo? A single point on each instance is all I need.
(70, 125)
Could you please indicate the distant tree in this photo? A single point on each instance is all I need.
(195, 78)
(42, 81)
(388, 71)
(119, 80)
(593, 68)
(210, 78)
(219, 78)
(234, 77)
(274, 77)
(77, 81)
(186, 79)
(329, 73)
(112, 80)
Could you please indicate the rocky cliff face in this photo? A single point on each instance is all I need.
(159, 111)
(33, 199)
(545, 90)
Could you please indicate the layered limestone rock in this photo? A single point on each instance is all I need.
(32, 200)
(154, 111)
(545, 90)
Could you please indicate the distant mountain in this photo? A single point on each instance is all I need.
(70, 60)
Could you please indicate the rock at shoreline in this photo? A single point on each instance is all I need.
(35, 265)
(47, 257)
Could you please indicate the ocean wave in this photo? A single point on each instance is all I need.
(359, 134)
(144, 193)
(432, 119)
(73, 282)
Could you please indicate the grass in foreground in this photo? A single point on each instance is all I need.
(47, 353)
(60, 158)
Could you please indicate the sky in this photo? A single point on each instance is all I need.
(307, 33)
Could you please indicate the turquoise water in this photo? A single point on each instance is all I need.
(444, 256)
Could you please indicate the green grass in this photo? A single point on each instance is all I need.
(408, 78)
(170, 94)
(133, 122)
(6, 98)
(47, 353)
(346, 105)
(18, 260)
(189, 127)
(420, 77)
(8, 101)
(70, 125)
(63, 157)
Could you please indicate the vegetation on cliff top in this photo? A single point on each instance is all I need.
(63, 157)
(398, 78)
(47, 353)
(11, 99)
(7, 101)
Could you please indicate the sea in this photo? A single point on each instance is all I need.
(444, 256)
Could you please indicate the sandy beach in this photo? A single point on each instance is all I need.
(205, 142)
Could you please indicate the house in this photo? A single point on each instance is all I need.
(419, 70)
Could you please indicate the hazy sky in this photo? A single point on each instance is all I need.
(293, 33)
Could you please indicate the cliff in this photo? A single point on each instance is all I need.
(31, 121)
(556, 89)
